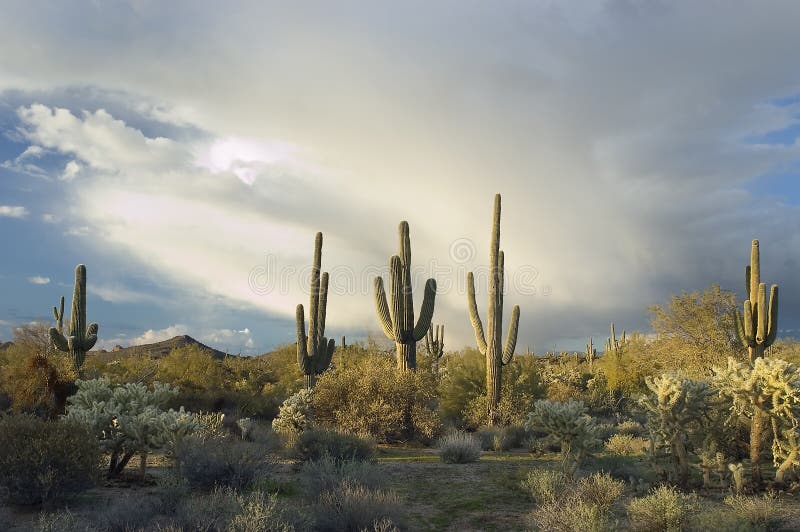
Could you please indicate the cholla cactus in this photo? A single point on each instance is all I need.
(676, 408)
(568, 425)
(80, 337)
(770, 390)
(129, 419)
(246, 426)
(294, 415)
(210, 424)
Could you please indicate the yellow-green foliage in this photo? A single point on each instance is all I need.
(462, 389)
(366, 394)
(664, 510)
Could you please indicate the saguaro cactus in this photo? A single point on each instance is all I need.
(314, 352)
(434, 343)
(398, 323)
(758, 327)
(80, 338)
(496, 356)
(591, 353)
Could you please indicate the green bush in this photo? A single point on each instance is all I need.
(626, 445)
(462, 390)
(353, 508)
(314, 444)
(664, 510)
(566, 505)
(223, 462)
(760, 513)
(546, 486)
(326, 474)
(459, 448)
(367, 395)
(42, 460)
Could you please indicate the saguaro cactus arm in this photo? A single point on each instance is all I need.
(382, 307)
(474, 316)
(511, 339)
(426, 312)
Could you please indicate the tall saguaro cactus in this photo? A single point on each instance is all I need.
(314, 352)
(398, 322)
(591, 353)
(80, 338)
(496, 355)
(758, 327)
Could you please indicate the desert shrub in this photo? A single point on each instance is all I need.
(568, 425)
(565, 505)
(626, 445)
(314, 444)
(459, 447)
(632, 428)
(265, 513)
(130, 511)
(502, 438)
(294, 415)
(42, 460)
(463, 390)
(326, 474)
(599, 489)
(760, 513)
(214, 462)
(573, 516)
(209, 511)
(546, 485)
(129, 419)
(62, 520)
(665, 509)
(368, 395)
(352, 508)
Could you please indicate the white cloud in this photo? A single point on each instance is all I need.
(49, 218)
(37, 279)
(96, 138)
(71, 171)
(120, 294)
(13, 211)
(245, 158)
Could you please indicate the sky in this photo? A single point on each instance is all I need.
(188, 152)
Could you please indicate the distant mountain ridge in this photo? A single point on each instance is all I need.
(157, 349)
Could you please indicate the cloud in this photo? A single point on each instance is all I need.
(621, 136)
(39, 280)
(120, 294)
(13, 211)
(71, 171)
